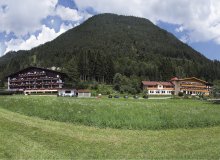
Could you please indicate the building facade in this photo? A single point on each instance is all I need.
(158, 88)
(83, 93)
(34, 79)
(189, 86)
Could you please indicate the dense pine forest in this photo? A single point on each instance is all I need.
(109, 47)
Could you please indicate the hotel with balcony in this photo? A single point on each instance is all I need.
(191, 86)
(35, 80)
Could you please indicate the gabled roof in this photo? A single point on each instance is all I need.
(190, 78)
(174, 79)
(31, 67)
(153, 83)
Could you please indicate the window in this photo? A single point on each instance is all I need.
(67, 91)
(151, 91)
(157, 92)
(163, 92)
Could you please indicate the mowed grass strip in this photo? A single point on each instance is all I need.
(25, 137)
(117, 113)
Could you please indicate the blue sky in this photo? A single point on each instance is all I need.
(22, 27)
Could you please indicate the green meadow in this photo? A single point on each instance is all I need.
(49, 127)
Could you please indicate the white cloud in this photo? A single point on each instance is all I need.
(45, 35)
(24, 16)
(179, 29)
(2, 47)
(68, 14)
(200, 17)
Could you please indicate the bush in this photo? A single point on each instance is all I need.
(195, 97)
(95, 86)
(104, 89)
(205, 98)
(216, 102)
(82, 85)
(94, 93)
(110, 96)
(135, 97)
(186, 96)
(180, 94)
(145, 96)
(6, 93)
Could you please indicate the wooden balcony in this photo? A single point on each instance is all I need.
(194, 86)
(195, 90)
(31, 75)
(153, 88)
(36, 84)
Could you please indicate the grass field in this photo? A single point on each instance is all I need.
(117, 113)
(63, 128)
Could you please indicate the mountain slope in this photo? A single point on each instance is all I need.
(108, 43)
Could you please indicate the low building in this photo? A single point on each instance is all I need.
(64, 92)
(191, 86)
(36, 80)
(158, 88)
(83, 93)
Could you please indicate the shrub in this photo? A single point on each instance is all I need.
(82, 85)
(205, 98)
(145, 96)
(180, 94)
(94, 93)
(95, 86)
(6, 93)
(105, 89)
(135, 97)
(186, 96)
(216, 102)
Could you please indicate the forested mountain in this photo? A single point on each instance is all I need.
(107, 44)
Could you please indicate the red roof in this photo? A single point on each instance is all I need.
(153, 83)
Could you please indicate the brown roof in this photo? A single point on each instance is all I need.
(66, 89)
(153, 83)
(190, 78)
(174, 79)
(32, 67)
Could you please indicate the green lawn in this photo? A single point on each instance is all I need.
(48, 127)
(122, 113)
(25, 137)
